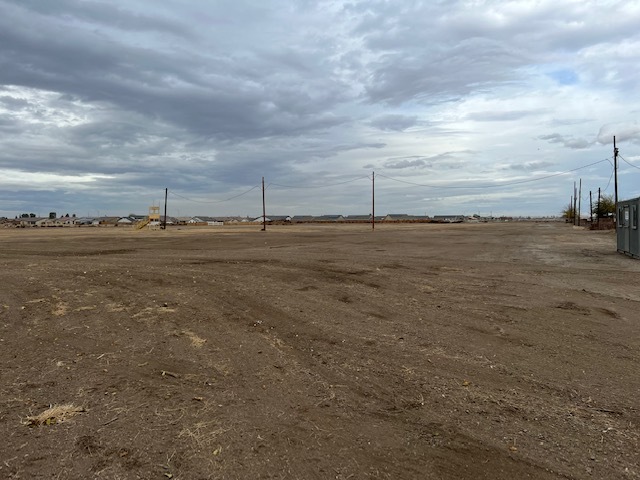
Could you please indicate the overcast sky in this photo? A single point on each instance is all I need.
(455, 105)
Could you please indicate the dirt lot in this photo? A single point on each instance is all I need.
(420, 351)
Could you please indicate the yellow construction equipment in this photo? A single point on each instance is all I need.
(152, 221)
(142, 223)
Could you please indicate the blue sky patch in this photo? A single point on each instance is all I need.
(565, 77)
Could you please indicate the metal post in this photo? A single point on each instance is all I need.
(590, 208)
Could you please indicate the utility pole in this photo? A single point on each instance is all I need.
(570, 210)
(580, 203)
(598, 208)
(264, 210)
(575, 202)
(373, 200)
(591, 208)
(571, 213)
(615, 170)
(164, 224)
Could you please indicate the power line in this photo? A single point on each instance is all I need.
(609, 182)
(319, 186)
(627, 162)
(216, 201)
(518, 182)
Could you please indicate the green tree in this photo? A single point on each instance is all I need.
(567, 213)
(606, 208)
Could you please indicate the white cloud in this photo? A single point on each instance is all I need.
(16, 179)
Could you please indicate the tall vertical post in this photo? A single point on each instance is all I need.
(575, 202)
(373, 200)
(580, 203)
(615, 170)
(570, 210)
(598, 208)
(164, 224)
(590, 208)
(264, 210)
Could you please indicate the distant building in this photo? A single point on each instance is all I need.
(205, 220)
(448, 218)
(395, 217)
(404, 217)
(31, 221)
(106, 221)
(357, 218)
(328, 218)
(302, 219)
(274, 218)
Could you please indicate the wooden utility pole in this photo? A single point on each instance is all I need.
(598, 208)
(615, 170)
(373, 200)
(575, 202)
(590, 208)
(570, 210)
(580, 203)
(264, 210)
(164, 224)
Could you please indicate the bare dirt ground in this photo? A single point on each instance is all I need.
(420, 351)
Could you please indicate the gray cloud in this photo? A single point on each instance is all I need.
(429, 53)
(567, 141)
(529, 166)
(622, 131)
(11, 103)
(394, 122)
(407, 162)
(432, 76)
(221, 97)
(498, 116)
(446, 160)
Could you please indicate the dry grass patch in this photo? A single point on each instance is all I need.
(202, 434)
(54, 414)
(196, 341)
(60, 310)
